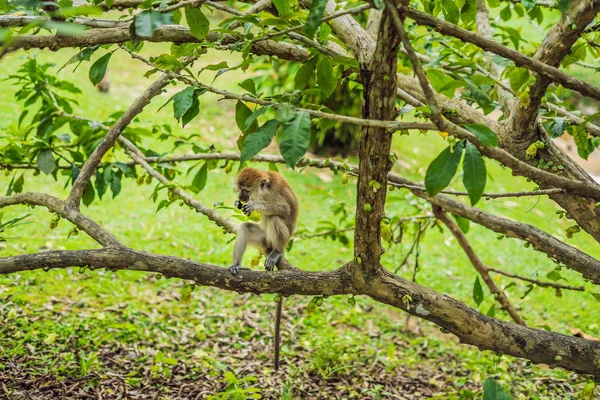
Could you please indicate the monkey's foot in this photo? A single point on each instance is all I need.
(272, 259)
(234, 269)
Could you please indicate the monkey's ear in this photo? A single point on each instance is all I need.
(264, 183)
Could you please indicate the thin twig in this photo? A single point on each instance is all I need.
(478, 265)
(391, 125)
(537, 282)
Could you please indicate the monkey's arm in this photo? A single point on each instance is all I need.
(267, 208)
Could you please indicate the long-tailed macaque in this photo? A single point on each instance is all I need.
(271, 196)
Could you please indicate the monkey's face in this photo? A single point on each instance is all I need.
(244, 195)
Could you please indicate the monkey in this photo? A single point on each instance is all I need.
(269, 194)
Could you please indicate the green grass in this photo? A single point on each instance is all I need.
(104, 327)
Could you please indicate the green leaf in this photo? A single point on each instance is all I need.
(98, 69)
(182, 102)
(283, 6)
(463, 223)
(314, 17)
(252, 119)
(528, 4)
(580, 136)
(249, 86)
(162, 204)
(325, 78)
(197, 21)
(167, 61)
(148, 21)
(493, 391)
(485, 135)
(295, 138)
(554, 276)
(451, 12)
(493, 3)
(442, 82)
(242, 113)
(474, 176)
(518, 77)
(468, 12)
(304, 73)
(258, 140)
(477, 292)
(563, 5)
(199, 180)
(80, 10)
(285, 113)
(559, 126)
(88, 194)
(442, 169)
(115, 185)
(192, 111)
(46, 162)
(102, 181)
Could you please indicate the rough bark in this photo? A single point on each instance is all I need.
(166, 33)
(476, 329)
(379, 102)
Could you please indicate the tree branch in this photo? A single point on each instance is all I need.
(287, 282)
(552, 73)
(572, 257)
(468, 325)
(109, 140)
(138, 158)
(537, 282)
(83, 223)
(478, 265)
(555, 46)
(166, 33)
(474, 328)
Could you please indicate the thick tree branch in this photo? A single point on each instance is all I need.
(521, 168)
(470, 326)
(478, 265)
(111, 137)
(166, 33)
(22, 20)
(476, 329)
(288, 282)
(555, 46)
(484, 28)
(378, 74)
(83, 223)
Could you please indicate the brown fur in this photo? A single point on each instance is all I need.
(271, 188)
(268, 193)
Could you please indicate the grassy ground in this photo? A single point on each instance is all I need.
(69, 334)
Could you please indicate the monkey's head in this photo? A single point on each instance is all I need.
(249, 183)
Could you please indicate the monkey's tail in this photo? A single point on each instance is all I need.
(277, 330)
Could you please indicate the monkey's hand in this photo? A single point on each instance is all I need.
(238, 204)
(248, 208)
